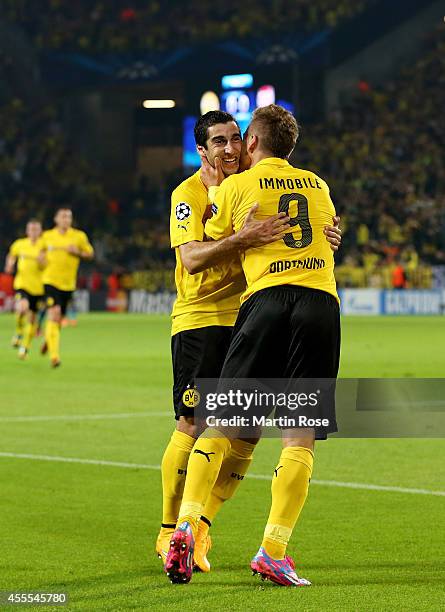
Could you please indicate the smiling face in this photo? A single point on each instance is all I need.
(223, 141)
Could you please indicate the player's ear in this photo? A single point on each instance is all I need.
(252, 143)
(201, 150)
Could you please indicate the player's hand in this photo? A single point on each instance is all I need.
(73, 250)
(211, 176)
(256, 233)
(333, 233)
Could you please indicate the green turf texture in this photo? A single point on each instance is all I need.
(90, 529)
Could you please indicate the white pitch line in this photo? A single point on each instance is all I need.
(147, 466)
(81, 417)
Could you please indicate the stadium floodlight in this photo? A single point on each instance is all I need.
(158, 103)
(236, 81)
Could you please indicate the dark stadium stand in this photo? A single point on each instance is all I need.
(119, 25)
(381, 151)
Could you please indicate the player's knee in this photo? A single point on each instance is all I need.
(55, 314)
(299, 437)
(22, 307)
(188, 426)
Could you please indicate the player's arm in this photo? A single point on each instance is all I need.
(83, 250)
(11, 260)
(198, 256)
(41, 257)
(224, 243)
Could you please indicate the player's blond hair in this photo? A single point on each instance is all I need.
(277, 130)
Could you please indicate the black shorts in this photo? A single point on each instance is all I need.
(196, 353)
(57, 297)
(286, 332)
(35, 301)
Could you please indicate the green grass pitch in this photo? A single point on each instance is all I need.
(89, 528)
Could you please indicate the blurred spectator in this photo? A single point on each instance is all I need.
(398, 276)
(118, 25)
(382, 154)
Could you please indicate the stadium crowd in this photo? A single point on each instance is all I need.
(382, 155)
(121, 25)
(39, 172)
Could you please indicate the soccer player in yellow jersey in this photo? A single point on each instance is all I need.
(24, 253)
(63, 247)
(209, 283)
(202, 320)
(288, 327)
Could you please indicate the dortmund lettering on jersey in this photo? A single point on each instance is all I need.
(29, 272)
(211, 297)
(61, 268)
(303, 256)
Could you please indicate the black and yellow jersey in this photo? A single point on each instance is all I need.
(211, 297)
(29, 272)
(303, 257)
(61, 268)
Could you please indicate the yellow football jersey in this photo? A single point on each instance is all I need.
(29, 273)
(211, 297)
(61, 268)
(303, 256)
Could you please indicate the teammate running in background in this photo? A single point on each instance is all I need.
(24, 253)
(63, 247)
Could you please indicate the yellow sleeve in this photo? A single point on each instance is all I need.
(84, 244)
(14, 249)
(223, 200)
(186, 217)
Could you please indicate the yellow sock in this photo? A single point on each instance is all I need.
(52, 337)
(290, 485)
(30, 332)
(232, 472)
(19, 324)
(202, 471)
(174, 469)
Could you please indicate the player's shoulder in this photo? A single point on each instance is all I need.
(191, 187)
(17, 244)
(316, 178)
(47, 234)
(74, 231)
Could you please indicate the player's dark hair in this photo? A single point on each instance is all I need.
(63, 208)
(206, 121)
(34, 220)
(277, 128)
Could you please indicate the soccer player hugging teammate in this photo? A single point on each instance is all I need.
(288, 327)
(28, 284)
(209, 282)
(62, 249)
(202, 321)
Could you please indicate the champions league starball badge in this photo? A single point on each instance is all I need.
(183, 211)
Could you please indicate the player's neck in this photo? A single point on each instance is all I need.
(62, 230)
(258, 156)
